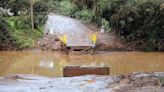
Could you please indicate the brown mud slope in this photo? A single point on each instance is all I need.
(50, 42)
(108, 41)
(136, 82)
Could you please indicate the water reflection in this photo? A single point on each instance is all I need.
(51, 64)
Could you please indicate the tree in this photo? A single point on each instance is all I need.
(32, 14)
(15, 6)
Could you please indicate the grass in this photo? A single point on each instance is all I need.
(25, 38)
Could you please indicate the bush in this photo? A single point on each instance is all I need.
(106, 25)
(40, 13)
(142, 24)
(63, 7)
(22, 22)
(52, 5)
(1, 12)
(85, 14)
(89, 4)
(7, 41)
(139, 22)
(15, 31)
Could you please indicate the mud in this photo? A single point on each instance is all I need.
(136, 82)
(50, 43)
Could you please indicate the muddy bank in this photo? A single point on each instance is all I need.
(136, 82)
(105, 42)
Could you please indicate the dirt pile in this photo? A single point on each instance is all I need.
(108, 41)
(50, 43)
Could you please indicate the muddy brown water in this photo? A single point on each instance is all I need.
(51, 63)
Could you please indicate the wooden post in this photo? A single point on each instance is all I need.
(70, 71)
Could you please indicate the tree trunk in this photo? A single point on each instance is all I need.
(32, 15)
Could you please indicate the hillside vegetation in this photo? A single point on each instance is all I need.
(15, 27)
(139, 23)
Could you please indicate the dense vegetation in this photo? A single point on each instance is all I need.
(139, 23)
(15, 26)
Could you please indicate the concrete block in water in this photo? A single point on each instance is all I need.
(70, 71)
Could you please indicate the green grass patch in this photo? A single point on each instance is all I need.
(25, 38)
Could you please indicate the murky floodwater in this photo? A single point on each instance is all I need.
(51, 63)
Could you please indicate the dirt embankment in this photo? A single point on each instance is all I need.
(105, 42)
(50, 42)
(136, 82)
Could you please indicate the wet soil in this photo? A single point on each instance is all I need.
(136, 82)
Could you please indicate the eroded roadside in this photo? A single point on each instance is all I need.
(136, 82)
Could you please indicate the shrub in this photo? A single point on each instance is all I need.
(7, 41)
(40, 13)
(141, 23)
(85, 15)
(106, 25)
(22, 22)
(65, 7)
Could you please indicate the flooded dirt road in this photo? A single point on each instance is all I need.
(51, 64)
(76, 32)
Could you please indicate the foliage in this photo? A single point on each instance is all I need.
(84, 3)
(85, 15)
(162, 81)
(66, 8)
(23, 21)
(15, 6)
(142, 23)
(63, 7)
(139, 22)
(52, 5)
(105, 25)
(16, 38)
(6, 40)
(17, 29)
(40, 13)
(1, 13)
(25, 38)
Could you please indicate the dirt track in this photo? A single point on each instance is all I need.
(77, 34)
